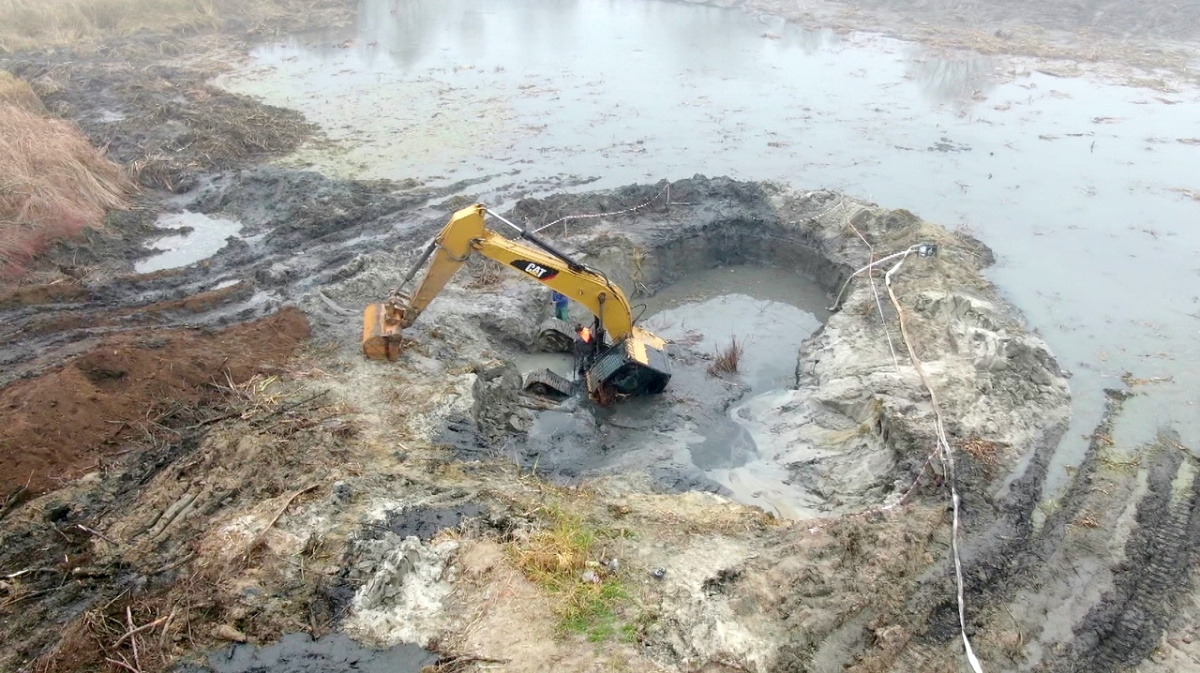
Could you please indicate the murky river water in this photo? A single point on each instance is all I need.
(1074, 182)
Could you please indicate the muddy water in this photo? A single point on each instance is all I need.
(203, 238)
(770, 312)
(299, 653)
(1073, 181)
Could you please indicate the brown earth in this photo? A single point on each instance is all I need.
(64, 423)
(32, 295)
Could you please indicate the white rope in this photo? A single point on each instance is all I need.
(947, 458)
(875, 291)
(838, 299)
(665, 190)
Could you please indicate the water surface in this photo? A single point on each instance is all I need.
(203, 239)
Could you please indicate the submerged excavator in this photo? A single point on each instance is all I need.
(614, 358)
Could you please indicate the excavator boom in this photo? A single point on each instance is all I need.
(635, 362)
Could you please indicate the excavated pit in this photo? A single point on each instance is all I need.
(744, 279)
(775, 434)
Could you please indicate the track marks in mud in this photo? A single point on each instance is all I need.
(1125, 627)
(1090, 581)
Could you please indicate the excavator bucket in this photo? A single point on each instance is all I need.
(381, 331)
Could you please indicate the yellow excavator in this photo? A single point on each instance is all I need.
(616, 358)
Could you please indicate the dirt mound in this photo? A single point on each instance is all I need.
(63, 422)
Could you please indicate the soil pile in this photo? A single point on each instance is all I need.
(61, 424)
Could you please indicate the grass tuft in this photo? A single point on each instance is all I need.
(17, 92)
(564, 559)
(727, 359)
(53, 183)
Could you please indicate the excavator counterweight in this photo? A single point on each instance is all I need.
(615, 358)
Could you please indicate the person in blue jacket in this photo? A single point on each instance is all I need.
(562, 308)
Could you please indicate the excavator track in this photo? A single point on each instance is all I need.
(546, 383)
(554, 336)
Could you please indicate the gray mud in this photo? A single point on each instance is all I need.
(300, 653)
(298, 231)
(424, 522)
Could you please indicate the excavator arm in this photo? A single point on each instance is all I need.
(637, 358)
(467, 233)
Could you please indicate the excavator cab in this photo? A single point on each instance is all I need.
(614, 358)
(635, 366)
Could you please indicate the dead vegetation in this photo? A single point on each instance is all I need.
(727, 360)
(84, 25)
(29, 24)
(1193, 194)
(53, 183)
(223, 129)
(1029, 36)
(169, 570)
(983, 450)
(484, 273)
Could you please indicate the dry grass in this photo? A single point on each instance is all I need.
(17, 92)
(34, 24)
(983, 450)
(53, 183)
(727, 359)
(84, 25)
(564, 558)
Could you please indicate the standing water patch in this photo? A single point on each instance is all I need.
(299, 653)
(207, 236)
(767, 311)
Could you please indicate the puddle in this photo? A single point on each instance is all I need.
(559, 363)
(207, 237)
(299, 653)
(1073, 181)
